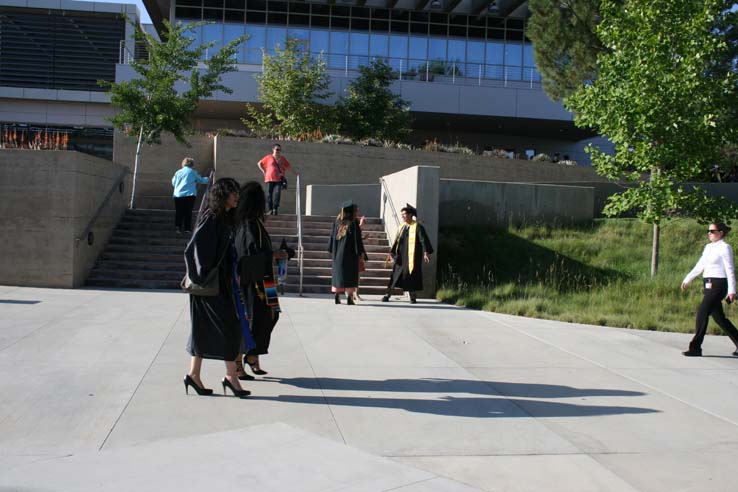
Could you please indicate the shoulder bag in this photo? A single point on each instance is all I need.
(210, 287)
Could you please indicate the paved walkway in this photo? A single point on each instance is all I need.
(374, 397)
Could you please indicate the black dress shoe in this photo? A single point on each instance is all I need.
(385, 298)
(735, 353)
(693, 353)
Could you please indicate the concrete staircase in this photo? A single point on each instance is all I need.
(145, 252)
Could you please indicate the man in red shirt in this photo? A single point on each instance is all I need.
(274, 167)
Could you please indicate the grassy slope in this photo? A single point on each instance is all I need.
(599, 274)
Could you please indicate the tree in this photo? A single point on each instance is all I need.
(150, 104)
(565, 43)
(291, 89)
(664, 96)
(371, 109)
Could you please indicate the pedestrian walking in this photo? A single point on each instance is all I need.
(256, 275)
(410, 249)
(346, 248)
(185, 183)
(216, 328)
(718, 274)
(273, 167)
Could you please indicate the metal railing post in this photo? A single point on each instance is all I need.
(298, 212)
(400, 69)
(427, 69)
(453, 73)
(480, 75)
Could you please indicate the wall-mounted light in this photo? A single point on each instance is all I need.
(436, 4)
(493, 7)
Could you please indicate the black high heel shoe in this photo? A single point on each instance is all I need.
(338, 299)
(350, 300)
(255, 368)
(242, 393)
(242, 374)
(188, 381)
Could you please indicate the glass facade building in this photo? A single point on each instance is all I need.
(414, 43)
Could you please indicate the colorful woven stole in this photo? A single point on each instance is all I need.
(239, 302)
(411, 246)
(269, 285)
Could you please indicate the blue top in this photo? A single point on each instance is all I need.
(185, 182)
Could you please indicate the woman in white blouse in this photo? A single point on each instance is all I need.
(718, 273)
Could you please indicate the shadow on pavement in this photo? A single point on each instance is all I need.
(492, 388)
(474, 407)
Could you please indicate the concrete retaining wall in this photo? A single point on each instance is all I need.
(327, 199)
(321, 163)
(489, 203)
(48, 200)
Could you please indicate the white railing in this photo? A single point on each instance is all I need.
(298, 212)
(386, 198)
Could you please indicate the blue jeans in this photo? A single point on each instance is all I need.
(274, 193)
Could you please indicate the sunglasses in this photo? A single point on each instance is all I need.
(713, 231)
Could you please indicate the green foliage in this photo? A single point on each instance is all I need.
(565, 45)
(594, 274)
(663, 96)
(291, 89)
(150, 103)
(371, 109)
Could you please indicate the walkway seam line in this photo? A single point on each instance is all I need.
(140, 382)
(613, 371)
(317, 380)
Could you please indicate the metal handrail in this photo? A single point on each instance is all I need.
(298, 212)
(205, 196)
(105, 201)
(389, 199)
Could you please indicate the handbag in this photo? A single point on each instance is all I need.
(210, 287)
(283, 182)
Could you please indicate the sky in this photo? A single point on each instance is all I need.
(145, 19)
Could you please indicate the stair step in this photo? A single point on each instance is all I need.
(145, 252)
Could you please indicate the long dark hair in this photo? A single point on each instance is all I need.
(251, 202)
(219, 193)
(722, 227)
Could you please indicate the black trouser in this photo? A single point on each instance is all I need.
(183, 212)
(391, 285)
(274, 188)
(712, 305)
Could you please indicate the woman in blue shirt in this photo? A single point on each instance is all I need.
(185, 190)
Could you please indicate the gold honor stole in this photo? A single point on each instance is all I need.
(411, 246)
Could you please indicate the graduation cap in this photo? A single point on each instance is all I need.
(348, 206)
(347, 209)
(411, 210)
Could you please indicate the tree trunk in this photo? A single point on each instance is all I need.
(135, 167)
(655, 251)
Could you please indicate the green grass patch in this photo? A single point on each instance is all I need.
(597, 274)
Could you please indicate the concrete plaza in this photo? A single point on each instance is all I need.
(375, 397)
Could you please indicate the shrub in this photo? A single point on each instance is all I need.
(542, 158)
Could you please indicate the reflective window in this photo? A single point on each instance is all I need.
(495, 58)
(359, 48)
(490, 46)
(275, 36)
(319, 42)
(436, 49)
(513, 60)
(456, 55)
(231, 32)
(398, 52)
(379, 45)
(255, 44)
(418, 50)
(338, 50)
(474, 59)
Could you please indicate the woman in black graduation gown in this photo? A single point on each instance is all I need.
(410, 249)
(216, 329)
(256, 273)
(346, 247)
